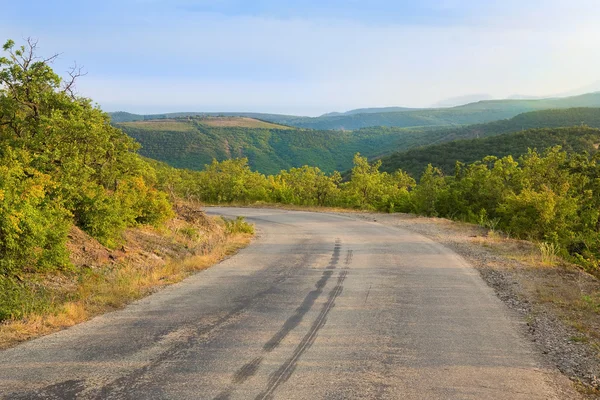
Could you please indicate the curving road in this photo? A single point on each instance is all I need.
(320, 306)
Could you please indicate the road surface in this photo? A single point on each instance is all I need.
(320, 306)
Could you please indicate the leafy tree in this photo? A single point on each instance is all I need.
(432, 187)
(306, 186)
(91, 168)
(369, 188)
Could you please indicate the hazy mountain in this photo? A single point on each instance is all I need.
(370, 111)
(472, 113)
(462, 100)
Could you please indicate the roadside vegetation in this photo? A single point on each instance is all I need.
(551, 197)
(66, 174)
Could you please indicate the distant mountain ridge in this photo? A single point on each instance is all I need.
(192, 142)
(472, 113)
(374, 110)
(444, 146)
(462, 100)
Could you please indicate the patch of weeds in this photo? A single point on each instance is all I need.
(238, 225)
(549, 252)
(579, 339)
(591, 302)
(19, 299)
(190, 232)
(486, 222)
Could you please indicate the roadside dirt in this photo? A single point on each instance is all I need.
(560, 303)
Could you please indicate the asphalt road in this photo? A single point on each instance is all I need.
(320, 306)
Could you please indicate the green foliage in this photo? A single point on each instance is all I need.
(238, 225)
(432, 187)
(230, 181)
(444, 156)
(305, 186)
(62, 162)
(369, 188)
(33, 225)
(19, 299)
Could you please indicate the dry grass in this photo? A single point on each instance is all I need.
(547, 281)
(114, 285)
(240, 122)
(161, 125)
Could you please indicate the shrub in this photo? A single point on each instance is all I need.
(33, 226)
(238, 225)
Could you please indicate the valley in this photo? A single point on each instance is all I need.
(194, 141)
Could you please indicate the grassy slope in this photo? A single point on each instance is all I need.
(574, 139)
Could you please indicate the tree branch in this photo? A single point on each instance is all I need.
(74, 73)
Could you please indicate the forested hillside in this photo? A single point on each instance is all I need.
(474, 113)
(444, 156)
(192, 143)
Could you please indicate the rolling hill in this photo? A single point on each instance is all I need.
(444, 156)
(192, 142)
(473, 113)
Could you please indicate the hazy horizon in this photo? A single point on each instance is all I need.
(312, 57)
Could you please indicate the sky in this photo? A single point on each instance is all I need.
(309, 57)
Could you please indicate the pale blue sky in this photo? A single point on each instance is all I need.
(310, 57)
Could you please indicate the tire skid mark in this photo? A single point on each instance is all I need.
(290, 324)
(247, 370)
(122, 386)
(287, 368)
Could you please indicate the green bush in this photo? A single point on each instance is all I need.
(238, 225)
(20, 299)
(33, 226)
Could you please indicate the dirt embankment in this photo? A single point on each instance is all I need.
(559, 302)
(104, 279)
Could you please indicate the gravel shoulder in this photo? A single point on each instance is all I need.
(560, 304)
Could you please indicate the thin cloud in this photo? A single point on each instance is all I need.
(305, 63)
